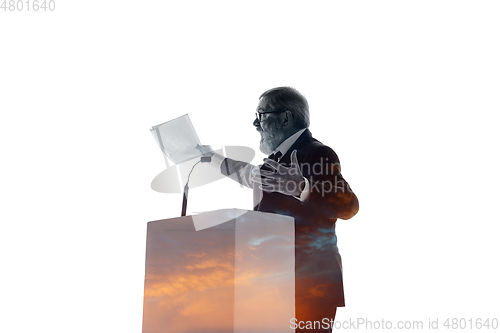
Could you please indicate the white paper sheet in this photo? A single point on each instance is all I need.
(177, 139)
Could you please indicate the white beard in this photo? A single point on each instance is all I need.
(270, 141)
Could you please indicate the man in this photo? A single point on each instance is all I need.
(301, 178)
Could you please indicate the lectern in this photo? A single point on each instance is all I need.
(225, 271)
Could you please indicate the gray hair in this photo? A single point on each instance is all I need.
(288, 98)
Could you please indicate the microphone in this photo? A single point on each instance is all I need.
(204, 159)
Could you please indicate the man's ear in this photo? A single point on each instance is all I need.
(287, 119)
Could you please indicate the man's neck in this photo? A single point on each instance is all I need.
(289, 141)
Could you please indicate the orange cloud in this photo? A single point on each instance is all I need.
(176, 284)
(210, 264)
(196, 255)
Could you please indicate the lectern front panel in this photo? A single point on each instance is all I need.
(234, 275)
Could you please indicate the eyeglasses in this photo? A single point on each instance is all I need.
(258, 115)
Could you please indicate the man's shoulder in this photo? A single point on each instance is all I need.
(312, 149)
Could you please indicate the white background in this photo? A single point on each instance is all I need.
(406, 93)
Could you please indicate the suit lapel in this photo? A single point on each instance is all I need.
(301, 141)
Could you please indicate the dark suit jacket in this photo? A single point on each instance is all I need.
(318, 267)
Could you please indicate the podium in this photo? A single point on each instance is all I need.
(225, 271)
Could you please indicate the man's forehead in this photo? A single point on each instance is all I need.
(262, 105)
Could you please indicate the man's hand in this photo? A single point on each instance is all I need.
(206, 150)
(282, 179)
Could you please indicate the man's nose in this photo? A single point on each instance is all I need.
(256, 122)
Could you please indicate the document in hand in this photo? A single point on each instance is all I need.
(177, 139)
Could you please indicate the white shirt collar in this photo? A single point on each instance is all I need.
(285, 145)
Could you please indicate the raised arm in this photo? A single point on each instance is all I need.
(241, 172)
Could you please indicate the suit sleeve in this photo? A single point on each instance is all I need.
(329, 192)
(238, 171)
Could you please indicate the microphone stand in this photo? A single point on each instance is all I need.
(204, 159)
